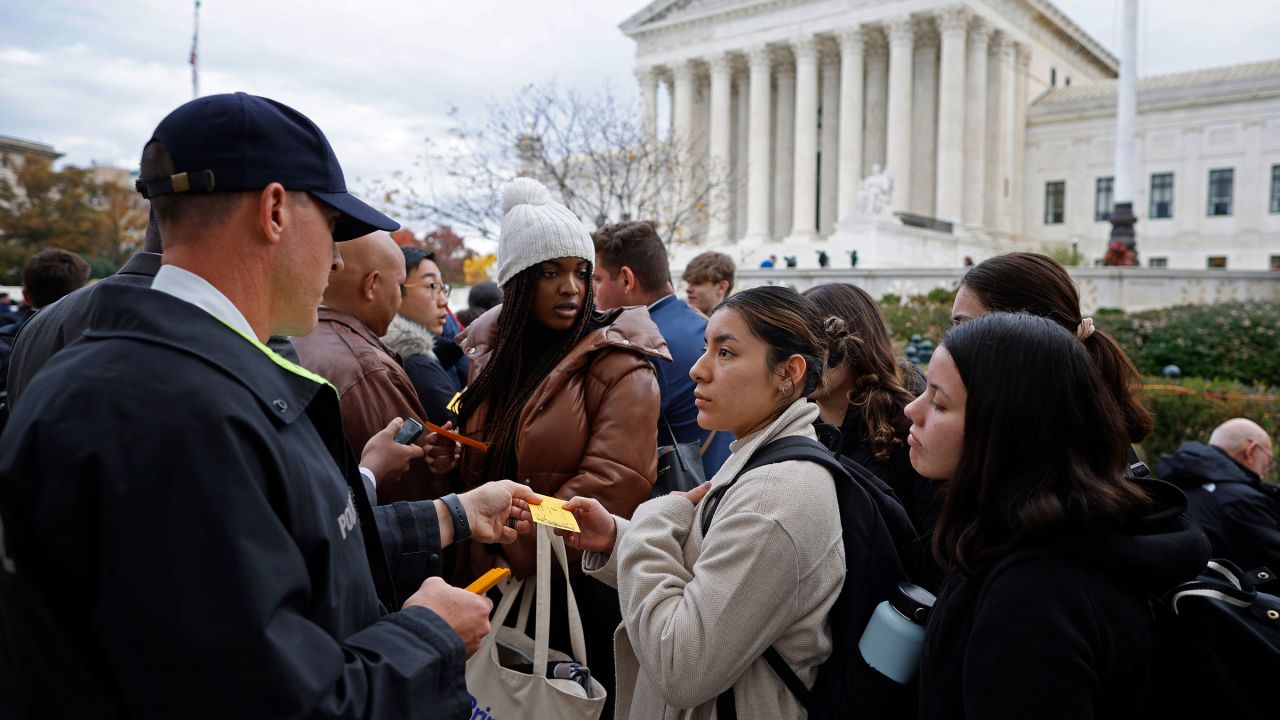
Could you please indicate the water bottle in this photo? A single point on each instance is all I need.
(891, 643)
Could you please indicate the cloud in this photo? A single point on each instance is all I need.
(94, 78)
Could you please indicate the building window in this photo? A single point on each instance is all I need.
(1217, 262)
(1102, 199)
(1275, 188)
(1053, 77)
(1161, 195)
(1275, 262)
(1066, 81)
(1221, 184)
(1158, 262)
(1055, 200)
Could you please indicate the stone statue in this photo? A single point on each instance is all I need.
(876, 192)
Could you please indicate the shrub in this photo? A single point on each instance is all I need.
(1232, 341)
(1190, 408)
(942, 296)
(924, 319)
(890, 299)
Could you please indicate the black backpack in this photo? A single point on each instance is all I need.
(846, 687)
(1218, 640)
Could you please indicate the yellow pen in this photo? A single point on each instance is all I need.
(485, 582)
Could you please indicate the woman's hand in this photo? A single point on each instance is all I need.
(442, 453)
(695, 495)
(598, 530)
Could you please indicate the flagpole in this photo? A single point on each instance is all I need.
(195, 41)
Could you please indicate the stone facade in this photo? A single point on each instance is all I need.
(966, 104)
(1189, 126)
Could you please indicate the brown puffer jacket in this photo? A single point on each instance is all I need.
(590, 427)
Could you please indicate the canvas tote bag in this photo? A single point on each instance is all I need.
(504, 693)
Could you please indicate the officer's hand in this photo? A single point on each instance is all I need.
(466, 612)
(442, 453)
(386, 458)
(599, 531)
(498, 511)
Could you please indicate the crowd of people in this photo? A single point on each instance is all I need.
(205, 511)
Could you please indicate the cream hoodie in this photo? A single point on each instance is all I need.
(697, 613)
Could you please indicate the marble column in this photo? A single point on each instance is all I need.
(1018, 138)
(829, 144)
(975, 122)
(877, 104)
(898, 124)
(758, 151)
(784, 145)
(850, 142)
(1008, 73)
(720, 141)
(682, 104)
(804, 223)
(924, 120)
(647, 77)
(998, 87)
(949, 192)
(741, 146)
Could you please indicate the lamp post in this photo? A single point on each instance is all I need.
(1122, 218)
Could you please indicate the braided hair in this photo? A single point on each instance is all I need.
(879, 391)
(524, 353)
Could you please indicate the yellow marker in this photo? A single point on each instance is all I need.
(453, 403)
(485, 582)
(551, 512)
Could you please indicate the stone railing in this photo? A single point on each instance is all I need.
(1129, 289)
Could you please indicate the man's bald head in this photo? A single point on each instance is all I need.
(1246, 442)
(368, 285)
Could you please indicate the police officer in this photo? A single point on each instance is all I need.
(184, 521)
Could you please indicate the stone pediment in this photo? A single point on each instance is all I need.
(662, 11)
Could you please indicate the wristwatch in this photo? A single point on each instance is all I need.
(461, 527)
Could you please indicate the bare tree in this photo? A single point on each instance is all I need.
(592, 150)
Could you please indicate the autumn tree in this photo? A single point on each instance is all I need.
(42, 207)
(451, 252)
(592, 151)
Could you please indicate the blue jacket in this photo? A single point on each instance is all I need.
(186, 508)
(683, 328)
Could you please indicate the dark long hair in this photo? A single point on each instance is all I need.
(879, 391)
(1038, 284)
(524, 353)
(1044, 448)
(789, 324)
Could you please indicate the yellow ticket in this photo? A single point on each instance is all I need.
(551, 512)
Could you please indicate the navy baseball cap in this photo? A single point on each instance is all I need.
(239, 142)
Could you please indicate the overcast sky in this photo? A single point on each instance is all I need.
(93, 78)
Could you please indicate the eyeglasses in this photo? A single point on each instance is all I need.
(435, 287)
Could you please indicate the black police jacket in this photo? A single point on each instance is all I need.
(1239, 513)
(186, 508)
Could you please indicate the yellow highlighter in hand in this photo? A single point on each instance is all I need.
(485, 582)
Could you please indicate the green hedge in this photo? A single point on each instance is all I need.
(1229, 341)
(1180, 417)
(928, 320)
(1232, 341)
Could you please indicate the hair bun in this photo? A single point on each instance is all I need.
(524, 191)
(835, 328)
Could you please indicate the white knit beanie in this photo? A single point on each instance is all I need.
(536, 228)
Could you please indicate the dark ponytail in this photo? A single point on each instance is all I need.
(1039, 285)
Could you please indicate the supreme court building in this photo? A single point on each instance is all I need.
(994, 119)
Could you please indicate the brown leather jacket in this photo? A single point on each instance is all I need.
(373, 388)
(588, 429)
